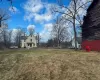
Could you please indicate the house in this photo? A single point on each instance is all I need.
(78, 41)
(91, 27)
(29, 41)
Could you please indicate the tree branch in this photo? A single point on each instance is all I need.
(83, 5)
(63, 13)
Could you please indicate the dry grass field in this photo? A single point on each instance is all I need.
(49, 64)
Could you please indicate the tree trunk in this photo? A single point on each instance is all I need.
(0, 23)
(74, 25)
(58, 41)
(4, 36)
(19, 42)
(38, 38)
(75, 35)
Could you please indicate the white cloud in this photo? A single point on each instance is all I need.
(30, 27)
(48, 26)
(42, 18)
(38, 11)
(13, 10)
(46, 32)
(33, 6)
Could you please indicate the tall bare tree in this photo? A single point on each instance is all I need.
(5, 34)
(3, 16)
(59, 31)
(9, 38)
(38, 39)
(18, 36)
(30, 29)
(73, 13)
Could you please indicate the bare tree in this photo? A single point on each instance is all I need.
(3, 16)
(4, 33)
(30, 29)
(72, 13)
(18, 36)
(23, 33)
(59, 31)
(38, 39)
(9, 38)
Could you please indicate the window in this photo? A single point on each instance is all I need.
(33, 44)
(31, 40)
(29, 44)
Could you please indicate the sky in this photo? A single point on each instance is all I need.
(36, 13)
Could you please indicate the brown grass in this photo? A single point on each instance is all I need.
(49, 64)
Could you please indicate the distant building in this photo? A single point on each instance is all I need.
(78, 41)
(29, 41)
(91, 27)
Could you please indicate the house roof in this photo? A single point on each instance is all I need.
(91, 22)
(23, 37)
(92, 4)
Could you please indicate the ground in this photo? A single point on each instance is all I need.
(49, 64)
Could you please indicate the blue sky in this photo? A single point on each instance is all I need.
(36, 13)
(18, 18)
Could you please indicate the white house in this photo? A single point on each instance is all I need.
(28, 41)
(79, 40)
